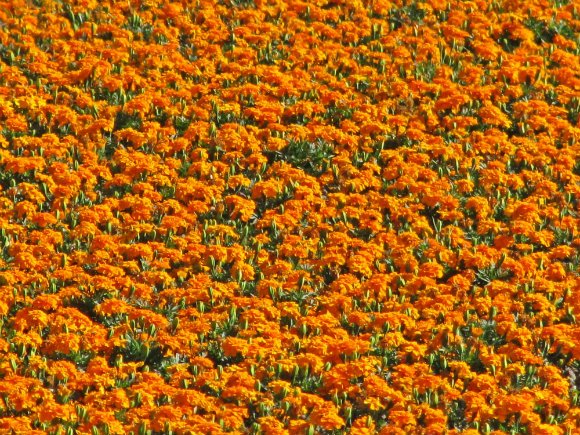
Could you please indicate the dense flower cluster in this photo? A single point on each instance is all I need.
(286, 217)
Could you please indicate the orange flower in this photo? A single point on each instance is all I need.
(326, 417)
(241, 208)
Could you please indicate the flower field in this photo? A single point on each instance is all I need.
(290, 217)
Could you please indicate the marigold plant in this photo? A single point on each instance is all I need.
(289, 217)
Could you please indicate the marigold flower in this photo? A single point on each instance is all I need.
(326, 417)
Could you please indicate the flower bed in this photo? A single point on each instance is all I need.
(285, 217)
